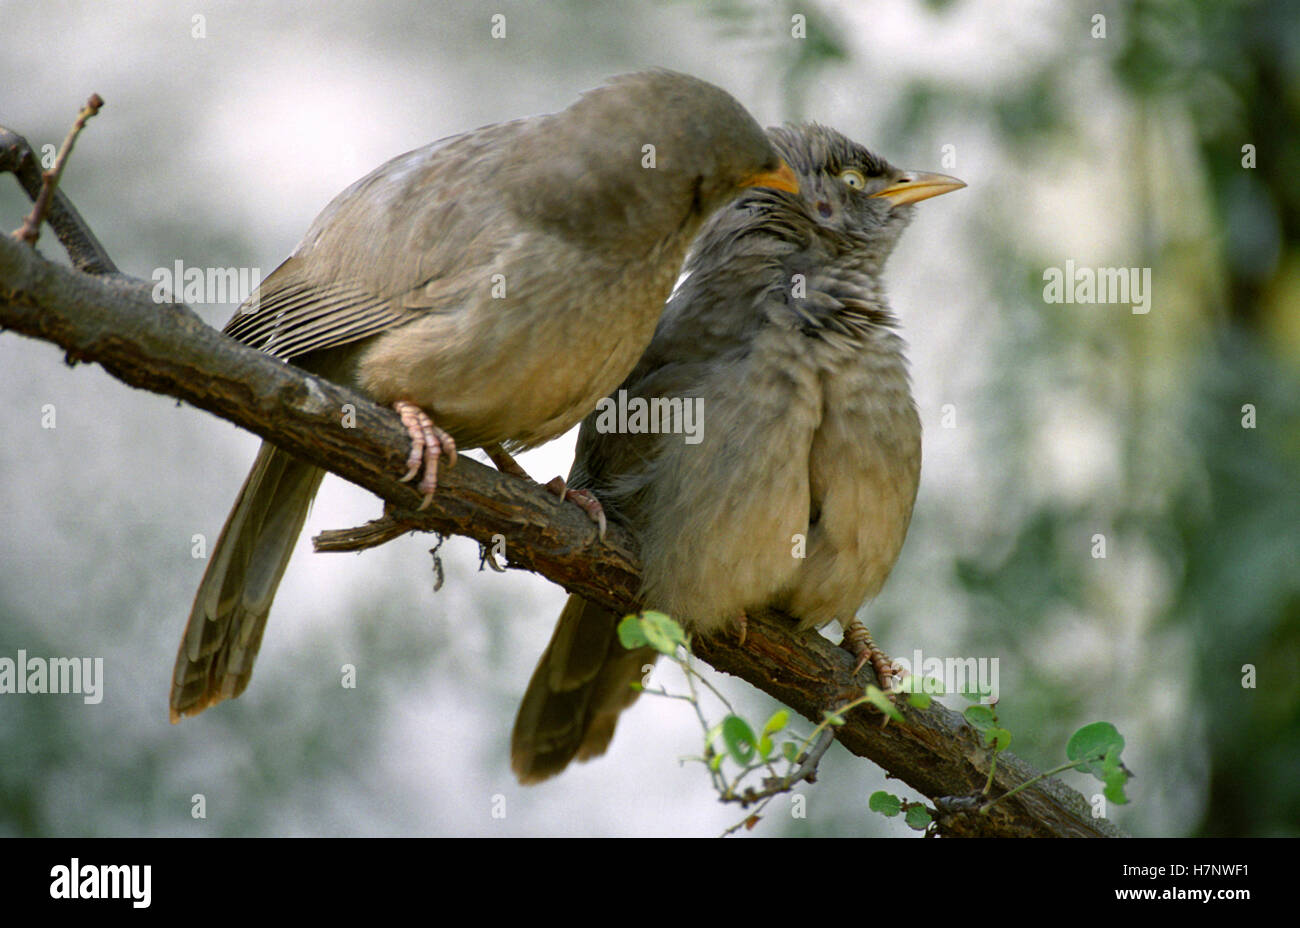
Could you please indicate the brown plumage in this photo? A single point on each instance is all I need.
(497, 283)
(781, 331)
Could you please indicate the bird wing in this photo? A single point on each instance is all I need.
(415, 235)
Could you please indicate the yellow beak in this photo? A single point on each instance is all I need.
(914, 186)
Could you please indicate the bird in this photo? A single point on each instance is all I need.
(491, 287)
(796, 489)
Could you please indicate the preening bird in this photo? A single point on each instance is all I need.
(490, 287)
(797, 491)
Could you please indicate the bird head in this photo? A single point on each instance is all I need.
(646, 156)
(847, 189)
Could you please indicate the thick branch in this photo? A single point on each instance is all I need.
(166, 349)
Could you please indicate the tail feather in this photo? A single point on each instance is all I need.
(581, 685)
(215, 659)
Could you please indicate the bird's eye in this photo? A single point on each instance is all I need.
(854, 179)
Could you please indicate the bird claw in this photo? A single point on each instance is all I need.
(742, 628)
(559, 487)
(586, 501)
(858, 642)
(507, 464)
(428, 444)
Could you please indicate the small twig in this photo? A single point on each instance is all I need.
(30, 230)
(993, 772)
(812, 750)
(750, 820)
(83, 247)
(667, 695)
(438, 575)
(487, 558)
(374, 533)
(719, 781)
(710, 687)
(981, 803)
(814, 747)
(808, 769)
(990, 803)
(953, 805)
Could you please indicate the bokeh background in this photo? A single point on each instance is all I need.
(1070, 420)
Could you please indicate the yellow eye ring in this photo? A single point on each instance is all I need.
(854, 179)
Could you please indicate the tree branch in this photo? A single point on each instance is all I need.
(166, 348)
(18, 159)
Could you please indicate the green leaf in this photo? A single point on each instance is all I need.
(917, 817)
(791, 751)
(1114, 775)
(999, 738)
(739, 739)
(778, 721)
(662, 633)
(883, 703)
(630, 634)
(1114, 791)
(709, 737)
(833, 718)
(919, 700)
(886, 804)
(1111, 762)
(772, 726)
(981, 718)
(1092, 744)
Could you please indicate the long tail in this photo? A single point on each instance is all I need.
(215, 660)
(580, 686)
